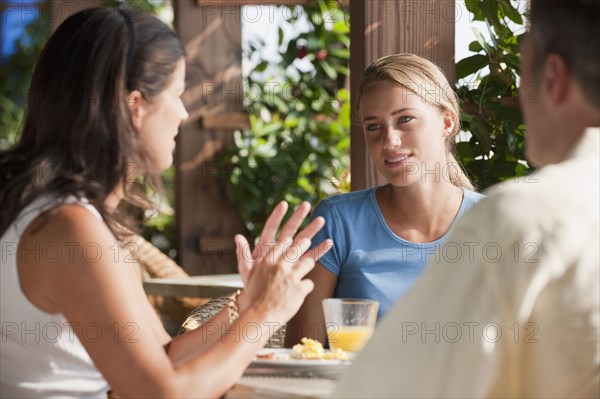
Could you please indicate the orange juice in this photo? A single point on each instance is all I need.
(349, 338)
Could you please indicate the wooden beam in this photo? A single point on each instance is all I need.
(343, 3)
(231, 121)
(214, 81)
(380, 28)
(210, 245)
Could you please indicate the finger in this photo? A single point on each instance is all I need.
(317, 252)
(242, 253)
(306, 286)
(294, 250)
(293, 224)
(271, 226)
(312, 228)
(303, 267)
(275, 253)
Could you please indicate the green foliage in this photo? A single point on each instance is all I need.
(296, 148)
(15, 79)
(495, 152)
(159, 225)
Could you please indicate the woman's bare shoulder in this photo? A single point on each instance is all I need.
(63, 249)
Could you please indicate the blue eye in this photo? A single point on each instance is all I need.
(372, 127)
(405, 119)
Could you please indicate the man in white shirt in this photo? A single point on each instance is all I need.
(511, 305)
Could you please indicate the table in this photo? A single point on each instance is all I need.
(255, 386)
(287, 381)
(212, 286)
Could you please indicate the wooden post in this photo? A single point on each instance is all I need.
(379, 28)
(206, 220)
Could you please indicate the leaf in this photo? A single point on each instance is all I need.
(344, 116)
(291, 121)
(480, 131)
(280, 33)
(511, 12)
(513, 61)
(465, 150)
(342, 53)
(343, 95)
(464, 117)
(313, 44)
(512, 142)
(481, 40)
(470, 65)
(507, 169)
(261, 67)
(475, 47)
(342, 69)
(329, 70)
(474, 7)
(490, 11)
(341, 27)
(345, 40)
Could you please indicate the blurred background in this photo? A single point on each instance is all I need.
(285, 130)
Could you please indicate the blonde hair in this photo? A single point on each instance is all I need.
(425, 79)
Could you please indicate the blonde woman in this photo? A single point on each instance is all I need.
(384, 236)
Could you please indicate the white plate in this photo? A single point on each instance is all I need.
(282, 361)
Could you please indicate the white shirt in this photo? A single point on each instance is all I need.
(511, 307)
(40, 355)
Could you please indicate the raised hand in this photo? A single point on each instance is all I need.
(247, 260)
(274, 272)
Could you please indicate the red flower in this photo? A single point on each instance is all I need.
(321, 54)
(301, 52)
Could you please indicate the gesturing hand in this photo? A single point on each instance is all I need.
(282, 261)
(247, 260)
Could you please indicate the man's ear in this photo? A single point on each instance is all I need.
(556, 80)
(137, 108)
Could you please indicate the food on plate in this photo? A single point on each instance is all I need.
(311, 349)
(264, 356)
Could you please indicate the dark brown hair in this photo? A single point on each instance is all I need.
(77, 137)
(570, 28)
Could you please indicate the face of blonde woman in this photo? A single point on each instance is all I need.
(159, 120)
(404, 134)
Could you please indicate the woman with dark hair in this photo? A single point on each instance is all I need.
(103, 111)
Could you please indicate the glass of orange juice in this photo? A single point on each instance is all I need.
(350, 322)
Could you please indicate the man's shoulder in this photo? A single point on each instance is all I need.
(573, 183)
(552, 194)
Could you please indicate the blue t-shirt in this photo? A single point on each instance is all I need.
(368, 258)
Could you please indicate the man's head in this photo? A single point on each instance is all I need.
(560, 80)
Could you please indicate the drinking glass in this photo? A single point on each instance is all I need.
(349, 322)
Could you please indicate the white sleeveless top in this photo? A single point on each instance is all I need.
(40, 354)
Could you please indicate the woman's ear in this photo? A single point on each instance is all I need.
(137, 108)
(449, 120)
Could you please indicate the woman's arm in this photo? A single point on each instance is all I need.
(309, 321)
(193, 343)
(97, 290)
(211, 331)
